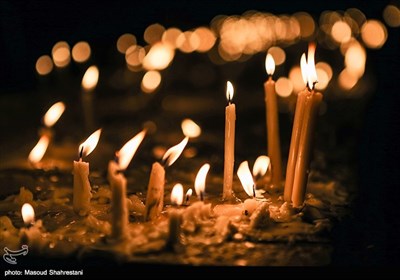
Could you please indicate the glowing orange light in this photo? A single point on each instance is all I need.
(200, 181)
(39, 150)
(173, 153)
(177, 195)
(28, 214)
(91, 77)
(269, 64)
(125, 41)
(53, 114)
(61, 54)
(90, 144)
(127, 152)
(261, 166)
(44, 65)
(150, 82)
(374, 34)
(190, 128)
(81, 51)
(246, 178)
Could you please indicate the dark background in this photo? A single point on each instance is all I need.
(29, 29)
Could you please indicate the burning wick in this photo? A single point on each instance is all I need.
(188, 195)
(200, 181)
(81, 153)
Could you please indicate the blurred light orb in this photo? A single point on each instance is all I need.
(125, 41)
(153, 33)
(374, 34)
(391, 15)
(278, 54)
(81, 52)
(61, 54)
(150, 82)
(341, 32)
(44, 65)
(284, 87)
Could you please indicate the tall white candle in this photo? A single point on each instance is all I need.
(229, 152)
(82, 188)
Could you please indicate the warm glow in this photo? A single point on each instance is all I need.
(88, 146)
(307, 25)
(229, 91)
(278, 55)
(91, 77)
(246, 178)
(261, 166)
(134, 56)
(341, 32)
(44, 65)
(187, 42)
(38, 151)
(391, 15)
(355, 59)
(284, 87)
(127, 152)
(308, 70)
(153, 33)
(53, 114)
(374, 34)
(323, 79)
(188, 194)
(269, 64)
(173, 153)
(346, 80)
(150, 82)
(170, 36)
(206, 39)
(200, 181)
(326, 68)
(125, 41)
(28, 214)
(190, 128)
(296, 78)
(177, 195)
(159, 57)
(61, 54)
(81, 52)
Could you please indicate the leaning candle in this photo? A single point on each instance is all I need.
(311, 106)
(82, 188)
(274, 147)
(118, 182)
(155, 189)
(175, 216)
(229, 152)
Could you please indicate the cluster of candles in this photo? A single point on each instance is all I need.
(296, 173)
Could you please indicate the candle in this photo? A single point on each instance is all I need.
(89, 83)
(187, 196)
(31, 234)
(118, 182)
(175, 216)
(82, 188)
(309, 105)
(155, 188)
(200, 181)
(247, 181)
(229, 148)
(274, 148)
(39, 150)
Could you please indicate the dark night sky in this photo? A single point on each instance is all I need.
(29, 29)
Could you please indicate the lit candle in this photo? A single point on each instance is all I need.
(187, 196)
(247, 181)
(229, 152)
(311, 101)
(31, 234)
(155, 189)
(39, 150)
(89, 83)
(82, 188)
(175, 216)
(260, 167)
(118, 182)
(274, 147)
(200, 181)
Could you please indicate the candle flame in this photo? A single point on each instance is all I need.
(189, 193)
(261, 166)
(200, 181)
(53, 114)
(127, 152)
(269, 64)
(308, 70)
(88, 146)
(40, 148)
(28, 214)
(91, 77)
(173, 153)
(229, 91)
(246, 178)
(177, 195)
(190, 128)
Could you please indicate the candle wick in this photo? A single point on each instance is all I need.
(254, 191)
(81, 153)
(201, 196)
(116, 157)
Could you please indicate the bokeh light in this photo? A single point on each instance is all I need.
(150, 82)
(296, 78)
(44, 65)
(207, 39)
(374, 34)
(159, 57)
(153, 33)
(278, 54)
(125, 41)
(61, 54)
(81, 52)
(170, 36)
(283, 87)
(307, 24)
(341, 32)
(346, 80)
(391, 15)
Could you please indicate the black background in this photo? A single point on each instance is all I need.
(29, 29)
